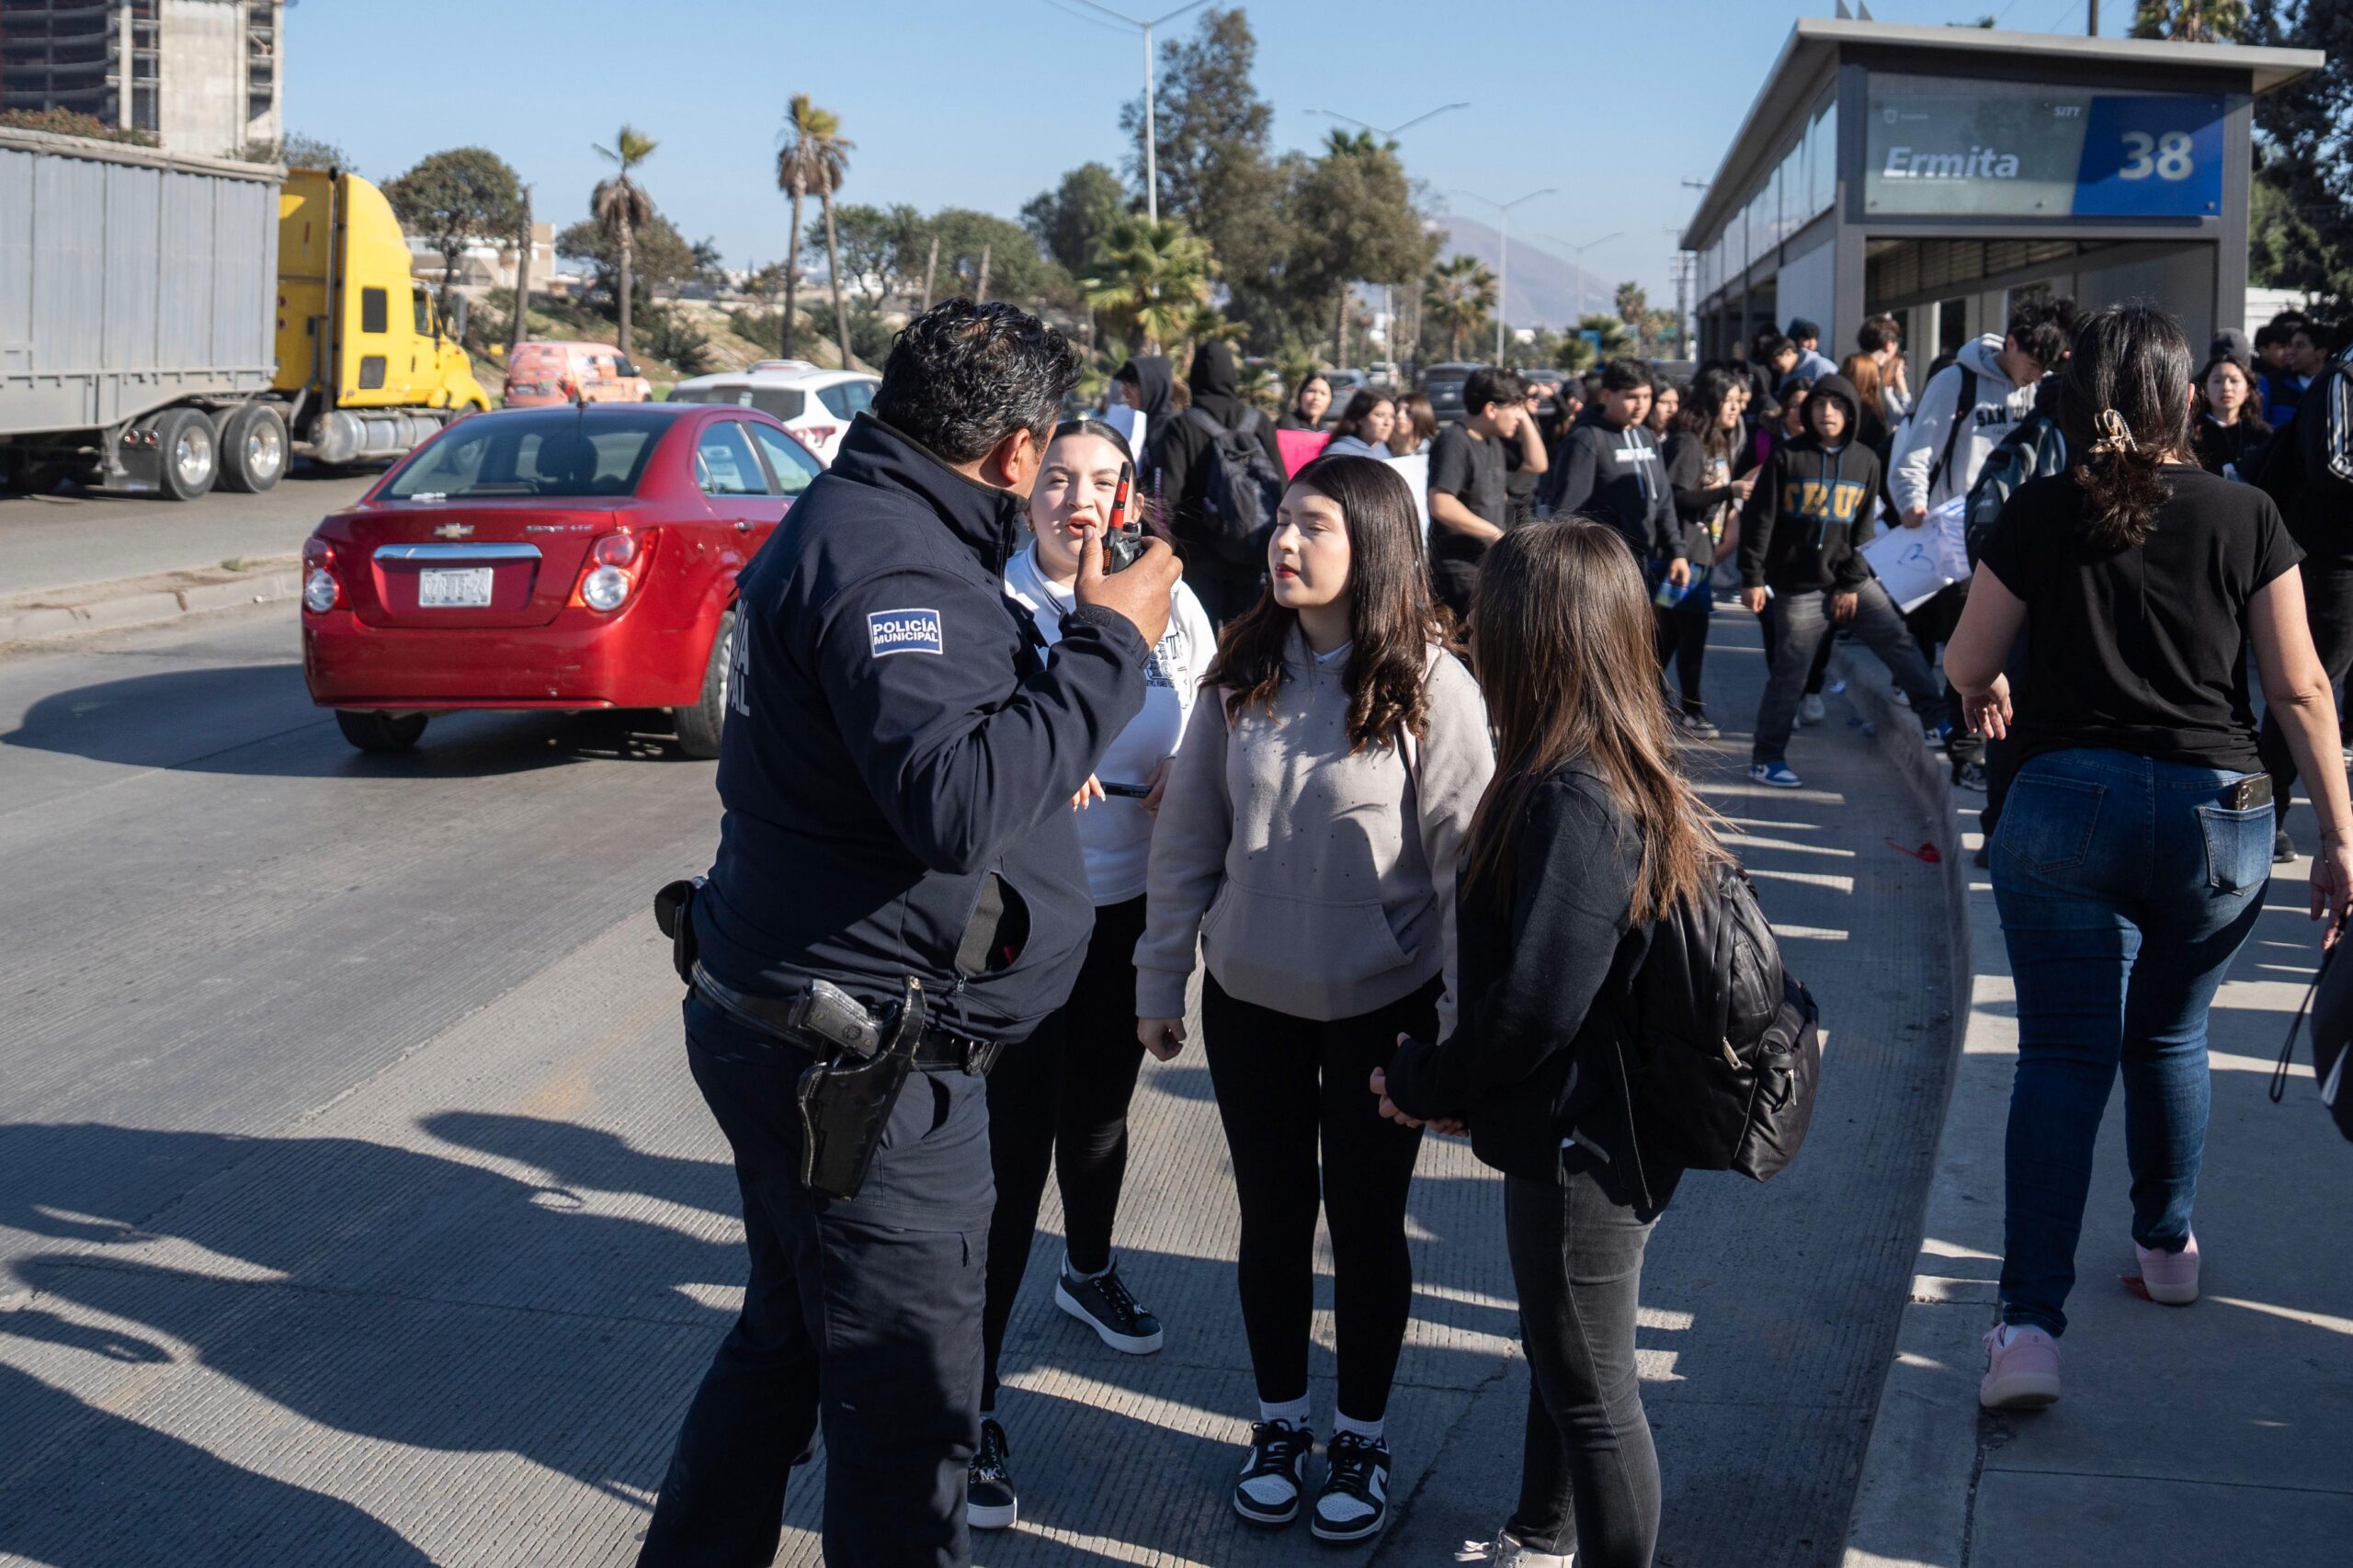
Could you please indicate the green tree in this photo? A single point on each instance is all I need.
(883, 249)
(2305, 138)
(297, 150)
(1458, 298)
(2191, 21)
(810, 156)
(1073, 222)
(1153, 280)
(453, 198)
(1217, 173)
(1354, 221)
(1615, 340)
(659, 259)
(1018, 270)
(619, 208)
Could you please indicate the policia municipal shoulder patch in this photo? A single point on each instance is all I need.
(903, 631)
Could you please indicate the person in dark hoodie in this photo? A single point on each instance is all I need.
(1147, 384)
(1813, 502)
(1609, 470)
(1180, 452)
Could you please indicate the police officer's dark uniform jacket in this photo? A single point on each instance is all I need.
(897, 744)
(896, 736)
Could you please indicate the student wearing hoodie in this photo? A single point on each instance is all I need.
(1305, 853)
(1610, 470)
(1964, 413)
(1145, 386)
(1813, 504)
(1180, 451)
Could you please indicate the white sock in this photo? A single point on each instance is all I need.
(1070, 1273)
(1292, 1412)
(1370, 1431)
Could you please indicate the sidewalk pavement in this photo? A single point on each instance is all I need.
(2208, 1434)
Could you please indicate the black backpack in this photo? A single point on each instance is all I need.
(1241, 488)
(2033, 450)
(1730, 1047)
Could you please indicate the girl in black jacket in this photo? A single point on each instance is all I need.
(1701, 451)
(1586, 835)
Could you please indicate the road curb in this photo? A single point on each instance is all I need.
(139, 601)
(1912, 1499)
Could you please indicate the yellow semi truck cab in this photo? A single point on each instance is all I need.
(368, 367)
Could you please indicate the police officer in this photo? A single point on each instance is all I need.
(897, 772)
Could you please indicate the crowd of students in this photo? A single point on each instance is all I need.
(1419, 868)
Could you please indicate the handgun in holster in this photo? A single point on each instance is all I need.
(846, 1100)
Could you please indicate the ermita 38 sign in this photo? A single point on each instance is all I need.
(1937, 146)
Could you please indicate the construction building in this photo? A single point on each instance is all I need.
(203, 76)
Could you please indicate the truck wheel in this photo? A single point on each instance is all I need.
(376, 732)
(253, 449)
(189, 453)
(699, 724)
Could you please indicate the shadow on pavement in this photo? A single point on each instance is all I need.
(257, 720)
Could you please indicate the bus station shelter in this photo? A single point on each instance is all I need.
(1936, 173)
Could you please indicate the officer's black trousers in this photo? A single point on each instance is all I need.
(2328, 611)
(861, 1316)
(1059, 1101)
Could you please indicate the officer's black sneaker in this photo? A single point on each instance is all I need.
(1354, 1499)
(1969, 776)
(1268, 1491)
(1103, 1305)
(990, 1501)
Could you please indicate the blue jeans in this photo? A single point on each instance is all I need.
(2126, 887)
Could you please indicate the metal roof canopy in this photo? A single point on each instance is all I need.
(1809, 58)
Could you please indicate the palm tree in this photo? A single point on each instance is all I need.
(811, 156)
(622, 209)
(1634, 310)
(1458, 296)
(2191, 21)
(1152, 279)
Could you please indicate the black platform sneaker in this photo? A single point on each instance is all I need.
(1268, 1491)
(1103, 1305)
(990, 1501)
(1355, 1500)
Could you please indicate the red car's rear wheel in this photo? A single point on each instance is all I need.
(699, 723)
(380, 732)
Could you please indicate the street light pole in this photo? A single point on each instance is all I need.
(1151, 127)
(1503, 286)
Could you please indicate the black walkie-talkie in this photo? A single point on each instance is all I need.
(1124, 540)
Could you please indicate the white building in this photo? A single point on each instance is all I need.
(201, 76)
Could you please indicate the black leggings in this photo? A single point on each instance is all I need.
(1589, 1473)
(1284, 1086)
(1059, 1099)
(1682, 643)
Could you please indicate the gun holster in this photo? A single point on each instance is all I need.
(846, 1102)
(674, 912)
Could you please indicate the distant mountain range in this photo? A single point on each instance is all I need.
(1546, 290)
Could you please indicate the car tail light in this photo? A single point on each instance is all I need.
(818, 435)
(322, 589)
(616, 561)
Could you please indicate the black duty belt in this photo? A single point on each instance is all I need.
(938, 1051)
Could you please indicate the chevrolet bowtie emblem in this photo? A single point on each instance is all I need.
(454, 530)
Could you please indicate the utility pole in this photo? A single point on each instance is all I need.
(2091, 27)
(1151, 127)
(930, 271)
(1503, 285)
(519, 330)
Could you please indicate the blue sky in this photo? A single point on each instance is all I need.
(985, 104)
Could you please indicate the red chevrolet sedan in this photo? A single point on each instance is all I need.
(553, 558)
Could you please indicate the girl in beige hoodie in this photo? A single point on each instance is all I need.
(1307, 847)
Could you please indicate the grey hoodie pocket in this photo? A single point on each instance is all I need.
(1302, 956)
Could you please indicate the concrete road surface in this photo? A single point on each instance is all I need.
(355, 1206)
(59, 542)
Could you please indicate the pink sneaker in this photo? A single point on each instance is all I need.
(2021, 1368)
(2170, 1277)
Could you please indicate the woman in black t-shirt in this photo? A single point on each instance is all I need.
(2134, 847)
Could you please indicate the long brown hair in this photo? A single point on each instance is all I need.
(1416, 424)
(2124, 404)
(1863, 370)
(1565, 643)
(1391, 618)
(1360, 406)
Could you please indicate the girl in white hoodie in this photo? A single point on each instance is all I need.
(1308, 843)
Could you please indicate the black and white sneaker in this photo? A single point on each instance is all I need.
(1103, 1305)
(1970, 776)
(1268, 1491)
(1355, 1500)
(990, 1501)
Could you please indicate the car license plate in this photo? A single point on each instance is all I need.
(464, 587)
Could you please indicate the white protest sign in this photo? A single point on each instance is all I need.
(1914, 564)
